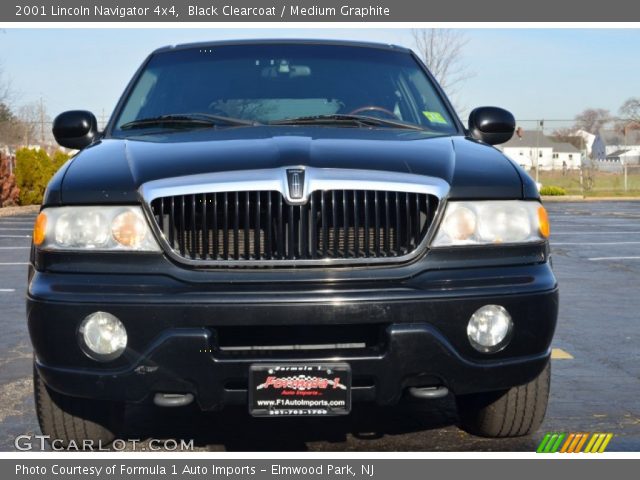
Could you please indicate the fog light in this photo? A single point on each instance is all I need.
(102, 336)
(489, 329)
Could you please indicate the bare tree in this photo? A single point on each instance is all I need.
(592, 119)
(5, 88)
(29, 117)
(441, 50)
(628, 125)
(630, 110)
(8, 120)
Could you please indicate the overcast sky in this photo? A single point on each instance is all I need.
(535, 73)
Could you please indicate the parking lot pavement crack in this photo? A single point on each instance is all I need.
(12, 396)
(19, 352)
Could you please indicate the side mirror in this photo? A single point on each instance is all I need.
(75, 129)
(492, 125)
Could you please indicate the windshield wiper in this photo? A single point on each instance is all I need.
(337, 119)
(189, 120)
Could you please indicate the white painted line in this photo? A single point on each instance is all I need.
(619, 217)
(15, 236)
(598, 259)
(7, 290)
(14, 263)
(593, 233)
(14, 248)
(595, 243)
(25, 229)
(590, 225)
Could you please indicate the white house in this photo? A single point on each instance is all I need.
(625, 157)
(596, 148)
(566, 156)
(615, 147)
(531, 149)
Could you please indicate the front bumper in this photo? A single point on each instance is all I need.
(174, 332)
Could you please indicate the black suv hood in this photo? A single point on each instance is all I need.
(112, 170)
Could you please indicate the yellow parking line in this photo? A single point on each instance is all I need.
(559, 354)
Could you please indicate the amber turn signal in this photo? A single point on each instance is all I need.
(40, 229)
(543, 222)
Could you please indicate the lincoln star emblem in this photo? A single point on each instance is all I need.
(295, 180)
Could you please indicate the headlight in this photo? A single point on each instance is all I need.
(492, 222)
(93, 228)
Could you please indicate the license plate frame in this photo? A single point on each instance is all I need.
(299, 389)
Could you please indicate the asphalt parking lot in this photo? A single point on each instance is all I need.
(595, 369)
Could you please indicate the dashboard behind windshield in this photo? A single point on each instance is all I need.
(273, 82)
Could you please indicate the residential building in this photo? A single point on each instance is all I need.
(533, 149)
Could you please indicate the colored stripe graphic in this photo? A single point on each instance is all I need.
(554, 442)
(578, 447)
(559, 440)
(607, 439)
(576, 444)
(599, 442)
(543, 443)
(551, 443)
(568, 442)
(590, 443)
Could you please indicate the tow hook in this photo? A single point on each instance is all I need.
(429, 393)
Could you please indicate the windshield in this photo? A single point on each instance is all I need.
(275, 83)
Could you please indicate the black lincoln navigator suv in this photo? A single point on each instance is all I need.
(294, 226)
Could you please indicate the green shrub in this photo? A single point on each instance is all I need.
(34, 169)
(552, 191)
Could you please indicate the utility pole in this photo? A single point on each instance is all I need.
(41, 122)
(584, 148)
(624, 164)
(539, 131)
(537, 151)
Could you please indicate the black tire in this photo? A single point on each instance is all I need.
(71, 420)
(517, 412)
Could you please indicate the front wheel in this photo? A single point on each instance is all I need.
(517, 412)
(77, 422)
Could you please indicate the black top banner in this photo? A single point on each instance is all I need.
(318, 11)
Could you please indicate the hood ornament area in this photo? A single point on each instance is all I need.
(295, 183)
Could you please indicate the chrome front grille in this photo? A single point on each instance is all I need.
(245, 228)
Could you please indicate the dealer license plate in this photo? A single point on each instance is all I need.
(299, 389)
